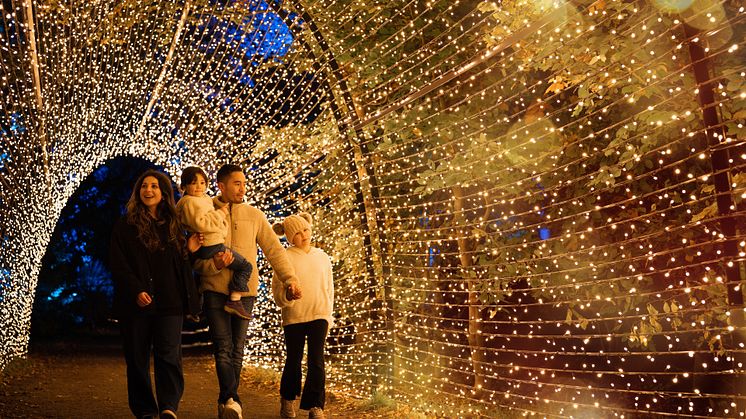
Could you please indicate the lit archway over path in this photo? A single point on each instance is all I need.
(531, 206)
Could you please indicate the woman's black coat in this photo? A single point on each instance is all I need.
(130, 268)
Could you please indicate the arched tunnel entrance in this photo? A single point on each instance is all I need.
(533, 207)
(74, 291)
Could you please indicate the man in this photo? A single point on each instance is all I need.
(247, 227)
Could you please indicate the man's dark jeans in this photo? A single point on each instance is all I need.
(228, 334)
(240, 266)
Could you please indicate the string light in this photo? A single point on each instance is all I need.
(522, 199)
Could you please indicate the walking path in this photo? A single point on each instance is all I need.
(70, 382)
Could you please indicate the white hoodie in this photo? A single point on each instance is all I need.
(314, 271)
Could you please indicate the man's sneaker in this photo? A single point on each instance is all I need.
(316, 413)
(168, 414)
(237, 309)
(287, 409)
(232, 410)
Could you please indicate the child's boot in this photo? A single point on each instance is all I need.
(237, 309)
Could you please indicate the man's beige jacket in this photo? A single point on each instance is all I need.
(247, 227)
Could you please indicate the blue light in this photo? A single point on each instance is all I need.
(264, 35)
(56, 293)
(16, 123)
(9, 31)
(274, 38)
(101, 173)
(544, 233)
(432, 253)
(69, 299)
(4, 280)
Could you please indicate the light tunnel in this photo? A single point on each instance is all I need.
(532, 207)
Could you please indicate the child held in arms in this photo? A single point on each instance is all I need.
(307, 319)
(197, 214)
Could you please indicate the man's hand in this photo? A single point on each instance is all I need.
(195, 241)
(222, 259)
(143, 299)
(293, 292)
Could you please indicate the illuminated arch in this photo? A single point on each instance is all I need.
(528, 206)
(141, 112)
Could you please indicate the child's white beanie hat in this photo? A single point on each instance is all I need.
(293, 224)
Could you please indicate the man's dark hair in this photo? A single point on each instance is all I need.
(227, 170)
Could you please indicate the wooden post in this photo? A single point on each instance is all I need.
(718, 146)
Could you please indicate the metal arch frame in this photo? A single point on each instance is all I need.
(164, 69)
(365, 197)
(28, 11)
(28, 8)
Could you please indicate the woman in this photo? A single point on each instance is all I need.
(153, 290)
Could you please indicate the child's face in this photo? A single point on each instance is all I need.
(302, 238)
(197, 187)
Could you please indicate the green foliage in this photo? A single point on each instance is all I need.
(597, 115)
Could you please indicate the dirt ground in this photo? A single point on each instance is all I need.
(70, 381)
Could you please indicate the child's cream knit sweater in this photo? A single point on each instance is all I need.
(314, 271)
(198, 215)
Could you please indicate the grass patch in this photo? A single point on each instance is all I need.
(384, 406)
(379, 401)
(18, 366)
(264, 377)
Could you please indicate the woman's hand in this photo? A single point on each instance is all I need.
(195, 241)
(222, 259)
(143, 299)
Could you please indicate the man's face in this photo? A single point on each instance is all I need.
(234, 188)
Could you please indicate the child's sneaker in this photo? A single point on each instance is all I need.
(232, 409)
(316, 413)
(237, 308)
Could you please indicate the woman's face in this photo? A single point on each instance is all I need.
(150, 193)
(197, 187)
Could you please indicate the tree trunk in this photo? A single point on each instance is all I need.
(720, 162)
(478, 355)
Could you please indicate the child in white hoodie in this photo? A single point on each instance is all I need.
(308, 318)
(197, 213)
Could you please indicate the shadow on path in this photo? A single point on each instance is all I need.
(74, 381)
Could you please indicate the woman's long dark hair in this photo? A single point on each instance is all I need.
(139, 216)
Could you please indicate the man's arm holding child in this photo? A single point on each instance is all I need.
(215, 264)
